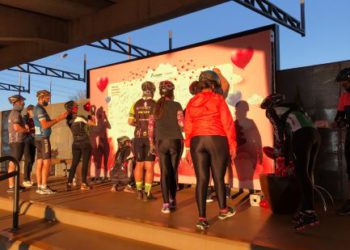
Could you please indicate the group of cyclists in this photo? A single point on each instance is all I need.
(210, 141)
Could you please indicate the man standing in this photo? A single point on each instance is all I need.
(43, 124)
(17, 133)
(138, 117)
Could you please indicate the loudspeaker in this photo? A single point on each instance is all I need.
(281, 192)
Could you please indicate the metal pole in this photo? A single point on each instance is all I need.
(16, 199)
(129, 48)
(170, 40)
(20, 82)
(302, 16)
(51, 91)
(29, 83)
(84, 67)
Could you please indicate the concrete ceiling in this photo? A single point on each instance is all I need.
(32, 29)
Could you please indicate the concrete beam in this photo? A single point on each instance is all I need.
(125, 16)
(19, 25)
(23, 52)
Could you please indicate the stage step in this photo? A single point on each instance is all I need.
(135, 231)
(41, 234)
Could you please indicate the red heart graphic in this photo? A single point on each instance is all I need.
(242, 57)
(102, 83)
(87, 106)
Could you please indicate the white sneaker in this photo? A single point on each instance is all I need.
(27, 184)
(47, 190)
(39, 191)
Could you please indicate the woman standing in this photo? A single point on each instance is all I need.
(81, 146)
(165, 125)
(210, 133)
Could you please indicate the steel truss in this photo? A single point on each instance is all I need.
(269, 10)
(112, 44)
(16, 88)
(36, 69)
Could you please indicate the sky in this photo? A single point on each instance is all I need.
(327, 40)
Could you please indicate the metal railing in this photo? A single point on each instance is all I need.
(15, 174)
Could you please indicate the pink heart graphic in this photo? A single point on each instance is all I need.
(102, 83)
(242, 57)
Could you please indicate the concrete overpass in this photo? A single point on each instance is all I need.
(34, 29)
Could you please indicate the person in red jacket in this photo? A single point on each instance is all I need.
(210, 134)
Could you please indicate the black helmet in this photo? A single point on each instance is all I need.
(43, 92)
(122, 140)
(70, 105)
(193, 88)
(165, 86)
(210, 76)
(343, 75)
(16, 98)
(272, 100)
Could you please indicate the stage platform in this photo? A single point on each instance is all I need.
(102, 216)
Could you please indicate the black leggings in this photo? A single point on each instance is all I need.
(78, 150)
(210, 153)
(169, 151)
(306, 143)
(347, 151)
(29, 157)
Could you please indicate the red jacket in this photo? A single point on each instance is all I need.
(208, 114)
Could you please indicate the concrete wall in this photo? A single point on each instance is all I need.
(315, 89)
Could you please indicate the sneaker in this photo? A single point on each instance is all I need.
(47, 190)
(202, 224)
(139, 194)
(296, 217)
(149, 197)
(165, 209)
(27, 184)
(39, 191)
(85, 187)
(114, 188)
(12, 189)
(172, 205)
(345, 209)
(227, 213)
(105, 179)
(69, 186)
(129, 189)
(209, 197)
(306, 219)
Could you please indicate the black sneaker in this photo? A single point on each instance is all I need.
(148, 197)
(306, 219)
(296, 217)
(139, 194)
(202, 224)
(227, 213)
(172, 205)
(210, 197)
(345, 209)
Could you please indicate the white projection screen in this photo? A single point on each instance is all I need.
(247, 60)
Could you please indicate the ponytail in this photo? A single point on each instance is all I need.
(159, 109)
